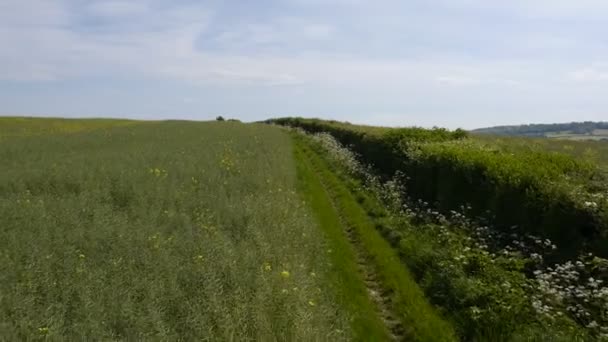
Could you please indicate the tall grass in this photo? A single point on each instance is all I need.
(160, 231)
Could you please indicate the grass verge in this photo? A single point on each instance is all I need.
(421, 320)
(347, 282)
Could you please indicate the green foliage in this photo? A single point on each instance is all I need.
(350, 288)
(160, 231)
(487, 297)
(549, 193)
(543, 193)
(412, 135)
(420, 319)
(586, 127)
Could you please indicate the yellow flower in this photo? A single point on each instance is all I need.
(285, 274)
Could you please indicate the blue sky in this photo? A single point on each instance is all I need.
(458, 63)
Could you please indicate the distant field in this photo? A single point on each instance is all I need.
(21, 126)
(595, 135)
(587, 149)
(587, 130)
(603, 132)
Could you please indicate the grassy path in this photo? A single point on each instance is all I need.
(385, 289)
(347, 281)
(377, 293)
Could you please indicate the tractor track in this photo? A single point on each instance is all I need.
(380, 296)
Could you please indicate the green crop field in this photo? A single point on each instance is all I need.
(596, 135)
(158, 230)
(298, 230)
(594, 151)
(576, 131)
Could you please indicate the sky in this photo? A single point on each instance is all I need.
(448, 63)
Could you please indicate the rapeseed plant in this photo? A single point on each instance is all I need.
(163, 257)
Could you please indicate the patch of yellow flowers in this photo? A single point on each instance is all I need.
(158, 172)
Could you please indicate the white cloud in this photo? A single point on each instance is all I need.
(161, 44)
(328, 2)
(115, 9)
(458, 80)
(467, 81)
(557, 9)
(563, 8)
(147, 44)
(590, 74)
(169, 52)
(143, 40)
(285, 32)
(317, 31)
(33, 13)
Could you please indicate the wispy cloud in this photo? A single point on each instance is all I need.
(595, 73)
(117, 9)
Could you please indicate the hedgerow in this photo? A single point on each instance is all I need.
(551, 194)
(492, 286)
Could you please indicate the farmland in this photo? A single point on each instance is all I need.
(298, 229)
(159, 230)
(588, 130)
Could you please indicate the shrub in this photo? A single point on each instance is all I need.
(547, 193)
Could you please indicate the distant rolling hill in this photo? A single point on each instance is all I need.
(587, 130)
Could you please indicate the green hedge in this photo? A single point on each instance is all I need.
(543, 193)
